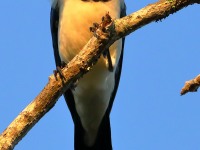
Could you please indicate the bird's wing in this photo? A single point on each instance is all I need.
(119, 66)
(54, 21)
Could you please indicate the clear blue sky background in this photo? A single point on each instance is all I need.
(148, 113)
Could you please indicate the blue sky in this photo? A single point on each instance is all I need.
(148, 113)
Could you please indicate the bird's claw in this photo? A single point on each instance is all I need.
(101, 30)
(59, 70)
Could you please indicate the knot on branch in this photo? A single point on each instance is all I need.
(102, 30)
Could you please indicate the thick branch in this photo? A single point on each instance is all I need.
(150, 13)
(81, 64)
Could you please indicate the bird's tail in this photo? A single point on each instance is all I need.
(103, 139)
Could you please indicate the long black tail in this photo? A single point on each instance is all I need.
(103, 140)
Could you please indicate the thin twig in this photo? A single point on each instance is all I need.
(191, 85)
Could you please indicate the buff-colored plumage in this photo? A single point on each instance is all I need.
(93, 91)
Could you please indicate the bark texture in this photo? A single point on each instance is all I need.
(82, 63)
(191, 85)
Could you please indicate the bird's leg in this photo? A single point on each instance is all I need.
(59, 70)
(106, 54)
(106, 20)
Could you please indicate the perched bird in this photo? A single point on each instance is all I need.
(90, 102)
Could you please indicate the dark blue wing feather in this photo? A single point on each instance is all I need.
(119, 67)
(54, 20)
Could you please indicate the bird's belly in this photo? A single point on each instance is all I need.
(92, 96)
(93, 91)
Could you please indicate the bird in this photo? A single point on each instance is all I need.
(90, 101)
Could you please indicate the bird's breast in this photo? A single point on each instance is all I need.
(76, 17)
(93, 91)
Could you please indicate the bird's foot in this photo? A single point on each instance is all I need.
(59, 70)
(94, 28)
(106, 20)
(101, 31)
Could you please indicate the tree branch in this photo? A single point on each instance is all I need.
(82, 63)
(191, 85)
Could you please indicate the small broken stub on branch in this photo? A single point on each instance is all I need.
(191, 85)
(101, 31)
